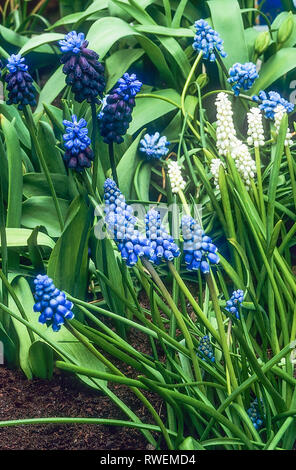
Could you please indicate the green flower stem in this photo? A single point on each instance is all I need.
(291, 171)
(168, 100)
(178, 316)
(43, 164)
(94, 138)
(97, 421)
(112, 163)
(260, 186)
(186, 86)
(193, 302)
(184, 202)
(116, 371)
(228, 216)
(229, 92)
(222, 333)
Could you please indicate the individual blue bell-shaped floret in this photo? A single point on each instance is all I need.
(208, 41)
(162, 243)
(21, 90)
(85, 74)
(232, 305)
(154, 146)
(268, 102)
(254, 415)
(199, 250)
(205, 349)
(242, 76)
(78, 154)
(52, 303)
(120, 222)
(116, 112)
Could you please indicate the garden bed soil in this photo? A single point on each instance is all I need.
(65, 396)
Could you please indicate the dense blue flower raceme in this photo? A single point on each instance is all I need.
(208, 41)
(161, 241)
(121, 223)
(205, 349)
(78, 154)
(52, 303)
(242, 76)
(269, 101)
(154, 146)
(199, 250)
(116, 113)
(20, 86)
(254, 415)
(232, 305)
(85, 74)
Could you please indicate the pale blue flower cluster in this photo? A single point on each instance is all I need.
(269, 101)
(154, 146)
(199, 250)
(121, 223)
(208, 41)
(72, 42)
(161, 242)
(242, 76)
(16, 63)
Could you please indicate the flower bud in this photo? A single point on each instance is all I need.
(202, 80)
(262, 42)
(285, 29)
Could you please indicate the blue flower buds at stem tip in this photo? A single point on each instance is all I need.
(52, 303)
(19, 83)
(205, 349)
(208, 41)
(154, 146)
(232, 305)
(85, 74)
(78, 154)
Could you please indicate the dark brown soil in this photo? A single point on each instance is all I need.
(65, 396)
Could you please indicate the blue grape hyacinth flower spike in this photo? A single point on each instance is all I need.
(199, 250)
(154, 146)
(84, 73)
(161, 242)
(116, 112)
(205, 349)
(121, 225)
(242, 76)
(233, 304)
(78, 154)
(268, 103)
(208, 41)
(255, 415)
(52, 303)
(21, 90)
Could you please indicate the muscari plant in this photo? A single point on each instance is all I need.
(225, 320)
